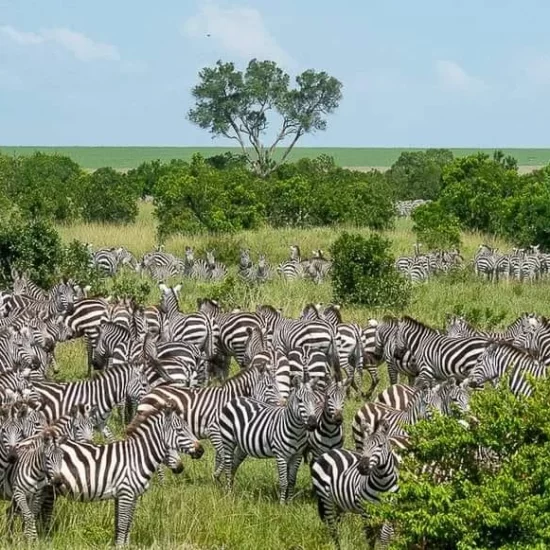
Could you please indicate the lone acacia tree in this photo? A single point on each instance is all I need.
(236, 105)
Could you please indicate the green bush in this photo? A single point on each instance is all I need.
(129, 285)
(363, 272)
(498, 503)
(145, 177)
(32, 246)
(75, 264)
(108, 196)
(417, 174)
(435, 227)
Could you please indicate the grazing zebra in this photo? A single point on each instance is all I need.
(123, 470)
(295, 333)
(103, 393)
(343, 480)
(437, 355)
(329, 433)
(248, 427)
(501, 357)
(396, 396)
(418, 408)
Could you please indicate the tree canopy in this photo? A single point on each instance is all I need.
(242, 106)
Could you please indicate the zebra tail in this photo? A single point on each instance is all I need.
(333, 358)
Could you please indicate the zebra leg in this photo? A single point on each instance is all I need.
(292, 467)
(101, 425)
(125, 505)
(373, 371)
(282, 467)
(20, 498)
(329, 514)
(44, 507)
(393, 373)
(89, 355)
(227, 458)
(238, 457)
(386, 534)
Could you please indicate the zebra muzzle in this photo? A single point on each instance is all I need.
(311, 423)
(197, 452)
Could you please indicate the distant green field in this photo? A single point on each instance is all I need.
(129, 157)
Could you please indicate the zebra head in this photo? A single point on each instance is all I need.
(83, 422)
(178, 435)
(334, 400)
(487, 367)
(112, 338)
(63, 295)
(53, 457)
(401, 339)
(138, 385)
(245, 261)
(265, 387)
(12, 430)
(457, 326)
(303, 402)
(455, 397)
(376, 448)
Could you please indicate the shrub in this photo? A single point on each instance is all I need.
(75, 264)
(363, 272)
(435, 227)
(32, 246)
(129, 285)
(417, 174)
(145, 177)
(485, 504)
(108, 196)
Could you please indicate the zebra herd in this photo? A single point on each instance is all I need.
(161, 265)
(169, 371)
(420, 267)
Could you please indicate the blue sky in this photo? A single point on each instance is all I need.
(415, 73)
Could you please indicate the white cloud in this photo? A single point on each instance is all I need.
(78, 44)
(453, 77)
(24, 38)
(239, 30)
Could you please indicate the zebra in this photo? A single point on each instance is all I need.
(123, 470)
(437, 355)
(251, 427)
(23, 285)
(201, 406)
(255, 343)
(232, 331)
(501, 357)
(329, 433)
(418, 408)
(209, 269)
(385, 343)
(105, 260)
(26, 478)
(197, 328)
(104, 392)
(396, 396)
(343, 480)
(293, 268)
(263, 271)
(485, 260)
(245, 267)
(86, 320)
(306, 361)
(160, 261)
(295, 333)
(318, 267)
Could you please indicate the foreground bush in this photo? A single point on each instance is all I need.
(363, 272)
(502, 502)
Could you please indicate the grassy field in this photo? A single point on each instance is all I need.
(192, 512)
(130, 157)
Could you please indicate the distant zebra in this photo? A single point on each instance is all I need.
(209, 269)
(293, 268)
(502, 357)
(123, 470)
(248, 427)
(343, 480)
(245, 267)
(485, 261)
(437, 355)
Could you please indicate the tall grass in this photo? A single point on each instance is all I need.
(191, 510)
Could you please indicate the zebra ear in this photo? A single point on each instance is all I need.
(177, 288)
(170, 406)
(383, 426)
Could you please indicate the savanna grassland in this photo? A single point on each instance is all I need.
(124, 158)
(191, 510)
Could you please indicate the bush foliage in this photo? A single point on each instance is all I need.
(363, 272)
(502, 502)
(435, 227)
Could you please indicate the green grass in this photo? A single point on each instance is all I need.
(191, 511)
(130, 157)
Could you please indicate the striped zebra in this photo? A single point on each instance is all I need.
(308, 362)
(263, 271)
(123, 470)
(502, 357)
(23, 285)
(295, 333)
(201, 406)
(318, 268)
(160, 261)
(209, 269)
(105, 260)
(418, 408)
(396, 396)
(343, 480)
(26, 479)
(329, 433)
(193, 328)
(107, 390)
(248, 427)
(232, 332)
(245, 268)
(294, 267)
(86, 320)
(255, 343)
(484, 261)
(385, 344)
(437, 355)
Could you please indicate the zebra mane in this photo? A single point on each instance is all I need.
(143, 416)
(413, 321)
(506, 344)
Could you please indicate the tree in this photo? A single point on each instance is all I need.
(237, 105)
(435, 227)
